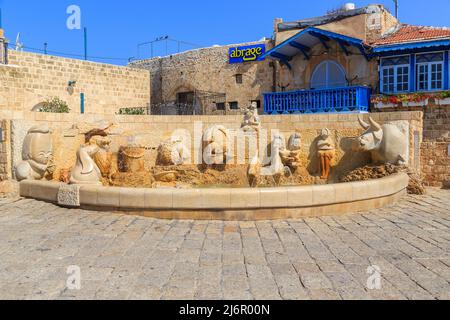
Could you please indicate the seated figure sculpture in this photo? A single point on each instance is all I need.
(37, 155)
(327, 151)
(252, 121)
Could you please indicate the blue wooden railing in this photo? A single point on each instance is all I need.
(346, 99)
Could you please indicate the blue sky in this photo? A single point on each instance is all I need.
(116, 27)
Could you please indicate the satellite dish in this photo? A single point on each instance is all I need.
(19, 45)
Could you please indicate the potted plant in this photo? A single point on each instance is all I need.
(415, 100)
(382, 101)
(443, 98)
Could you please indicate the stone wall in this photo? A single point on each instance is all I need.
(29, 79)
(5, 150)
(436, 145)
(435, 159)
(208, 70)
(150, 131)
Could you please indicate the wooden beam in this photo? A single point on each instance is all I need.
(319, 36)
(363, 52)
(304, 49)
(283, 58)
(299, 46)
(280, 56)
(343, 46)
(324, 43)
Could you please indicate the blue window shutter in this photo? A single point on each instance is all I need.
(412, 73)
(446, 69)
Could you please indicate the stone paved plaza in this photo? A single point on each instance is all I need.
(128, 257)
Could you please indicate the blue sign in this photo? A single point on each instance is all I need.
(247, 53)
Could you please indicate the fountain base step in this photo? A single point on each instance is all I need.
(241, 204)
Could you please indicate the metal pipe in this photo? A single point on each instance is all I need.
(85, 44)
(82, 102)
(396, 8)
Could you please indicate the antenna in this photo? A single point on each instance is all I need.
(19, 45)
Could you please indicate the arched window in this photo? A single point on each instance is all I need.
(328, 74)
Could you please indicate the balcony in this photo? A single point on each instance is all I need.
(335, 100)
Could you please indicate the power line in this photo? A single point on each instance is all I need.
(166, 39)
(75, 55)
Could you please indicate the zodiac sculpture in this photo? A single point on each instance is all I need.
(86, 170)
(387, 144)
(37, 155)
(173, 152)
(326, 151)
(215, 145)
(275, 168)
(104, 157)
(252, 121)
(291, 155)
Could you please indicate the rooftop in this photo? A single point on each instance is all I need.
(334, 16)
(405, 33)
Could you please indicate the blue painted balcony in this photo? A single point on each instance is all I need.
(334, 100)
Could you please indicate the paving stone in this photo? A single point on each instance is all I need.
(128, 257)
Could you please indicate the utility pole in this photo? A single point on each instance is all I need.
(45, 48)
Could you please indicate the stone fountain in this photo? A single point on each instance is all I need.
(161, 181)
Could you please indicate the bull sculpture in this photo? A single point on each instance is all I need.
(386, 143)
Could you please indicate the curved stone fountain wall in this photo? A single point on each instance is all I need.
(227, 203)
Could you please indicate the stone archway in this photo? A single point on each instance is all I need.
(37, 107)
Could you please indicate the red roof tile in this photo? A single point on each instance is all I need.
(408, 33)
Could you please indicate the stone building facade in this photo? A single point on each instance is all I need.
(3, 48)
(235, 86)
(29, 79)
(216, 86)
(366, 23)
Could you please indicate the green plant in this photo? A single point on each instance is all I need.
(444, 95)
(54, 105)
(133, 111)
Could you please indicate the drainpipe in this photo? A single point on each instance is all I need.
(82, 103)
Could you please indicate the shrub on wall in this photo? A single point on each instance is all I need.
(133, 111)
(54, 105)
